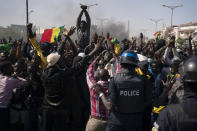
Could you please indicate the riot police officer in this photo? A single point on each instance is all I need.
(129, 96)
(183, 116)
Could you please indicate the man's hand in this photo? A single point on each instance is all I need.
(99, 42)
(83, 7)
(29, 29)
(29, 26)
(70, 32)
(97, 89)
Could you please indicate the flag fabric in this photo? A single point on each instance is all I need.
(49, 35)
(36, 46)
(6, 47)
(156, 34)
(116, 45)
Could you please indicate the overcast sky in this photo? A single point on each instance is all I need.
(51, 13)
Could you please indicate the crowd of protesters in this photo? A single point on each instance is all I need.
(65, 85)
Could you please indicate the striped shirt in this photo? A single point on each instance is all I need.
(97, 107)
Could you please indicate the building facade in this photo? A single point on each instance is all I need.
(183, 31)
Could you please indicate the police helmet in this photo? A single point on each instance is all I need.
(188, 70)
(129, 57)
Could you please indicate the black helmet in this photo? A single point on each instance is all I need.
(188, 70)
(129, 57)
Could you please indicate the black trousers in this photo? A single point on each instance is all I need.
(55, 120)
(4, 119)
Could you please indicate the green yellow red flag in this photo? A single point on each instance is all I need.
(49, 35)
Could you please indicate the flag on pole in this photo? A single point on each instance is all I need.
(49, 35)
(36, 46)
(116, 45)
(156, 34)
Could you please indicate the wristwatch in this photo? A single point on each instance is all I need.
(101, 94)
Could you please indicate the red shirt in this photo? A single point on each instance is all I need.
(97, 107)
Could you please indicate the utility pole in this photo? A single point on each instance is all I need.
(27, 12)
(27, 18)
(172, 9)
(128, 29)
(156, 22)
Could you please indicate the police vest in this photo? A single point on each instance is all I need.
(130, 90)
(182, 121)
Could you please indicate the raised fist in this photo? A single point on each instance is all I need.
(84, 7)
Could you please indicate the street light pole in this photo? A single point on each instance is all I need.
(172, 9)
(27, 17)
(156, 23)
(27, 12)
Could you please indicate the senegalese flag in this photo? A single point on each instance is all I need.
(49, 35)
(156, 34)
(116, 45)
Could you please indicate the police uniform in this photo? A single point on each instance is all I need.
(183, 116)
(130, 94)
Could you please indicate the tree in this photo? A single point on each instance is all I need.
(180, 41)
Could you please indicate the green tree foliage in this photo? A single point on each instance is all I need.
(180, 41)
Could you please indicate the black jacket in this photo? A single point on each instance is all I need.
(57, 92)
(179, 117)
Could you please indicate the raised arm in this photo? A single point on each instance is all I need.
(19, 50)
(67, 35)
(88, 20)
(74, 49)
(79, 19)
(36, 46)
(108, 103)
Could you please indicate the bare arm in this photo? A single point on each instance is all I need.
(67, 35)
(166, 56)
(61, 47)
(106, 103)
(74, 49)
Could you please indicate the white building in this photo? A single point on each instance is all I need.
(183, 31)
